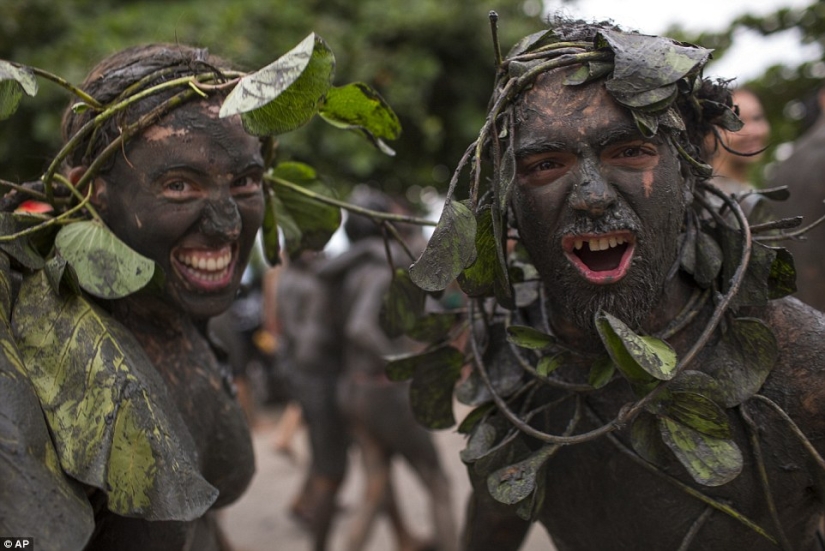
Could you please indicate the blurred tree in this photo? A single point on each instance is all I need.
(433, 61)
(787, 91)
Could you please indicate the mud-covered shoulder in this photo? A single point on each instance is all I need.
(797, 383)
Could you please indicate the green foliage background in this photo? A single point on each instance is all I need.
(433, 61)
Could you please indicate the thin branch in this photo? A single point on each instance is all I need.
(753, 433)
(350, 207)
(796, 430)
(68, 86)
(694, 529)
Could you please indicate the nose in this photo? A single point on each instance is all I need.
(591, 193)
(221, 219)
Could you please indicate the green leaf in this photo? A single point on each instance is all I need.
(269, 228)
(36, 497)
(285, 94)
(589, 72)
(601, 372)
(450, 249)
(503, 368)
(708, 260)
(20, 248)
(14, 81)
(697, 412)
(359, 108)
(782, 278)
(479, 278)
(431, 392)
(528, 337)
(480, 442)
(646, 440)
(710, 461)
(638, 358)
(741, 360)
(434, 327)
(472, 420)
(403, 305)
(516, 482)
(643, 63)
(105, 266)
(306, 222)
(548, 364)
(114, 424)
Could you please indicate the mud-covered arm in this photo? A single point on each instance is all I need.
(797, 383)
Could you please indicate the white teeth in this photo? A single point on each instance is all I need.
(601, 243)
(207, 263)
(578, 244)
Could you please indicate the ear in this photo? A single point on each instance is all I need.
(98, 199)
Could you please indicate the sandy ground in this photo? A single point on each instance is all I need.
(260, 520)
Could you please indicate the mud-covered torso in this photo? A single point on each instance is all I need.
(203, 392)
(601, 495)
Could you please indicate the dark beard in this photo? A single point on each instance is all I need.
(632, 299)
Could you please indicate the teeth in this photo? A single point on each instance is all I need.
(578, 244)
(207, 264)
(600, 243)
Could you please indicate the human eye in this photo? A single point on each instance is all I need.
(543, 169)
(634, 155)
(247, 184)
(178, 188)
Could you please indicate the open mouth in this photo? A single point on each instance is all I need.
(601, 258)
(205, 269)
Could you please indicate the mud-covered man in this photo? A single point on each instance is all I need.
(651, 388)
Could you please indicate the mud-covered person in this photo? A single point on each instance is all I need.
(186, 192)
(610, 208)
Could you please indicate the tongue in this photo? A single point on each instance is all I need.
(602, 261)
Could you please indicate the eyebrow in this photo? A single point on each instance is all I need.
(622, 133)
(537, 147)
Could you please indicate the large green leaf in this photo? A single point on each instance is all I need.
(36, 497)
(285, 94)
(105, 266)
(114, 424)
(359, 108)
(14, 81)
(637, 357)
(741, 360)
(433, 379)
(710, 461)
(643, 63)
(450, 249)
(306, 222)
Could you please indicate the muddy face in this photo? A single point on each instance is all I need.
(188, 194)
(598, 207)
